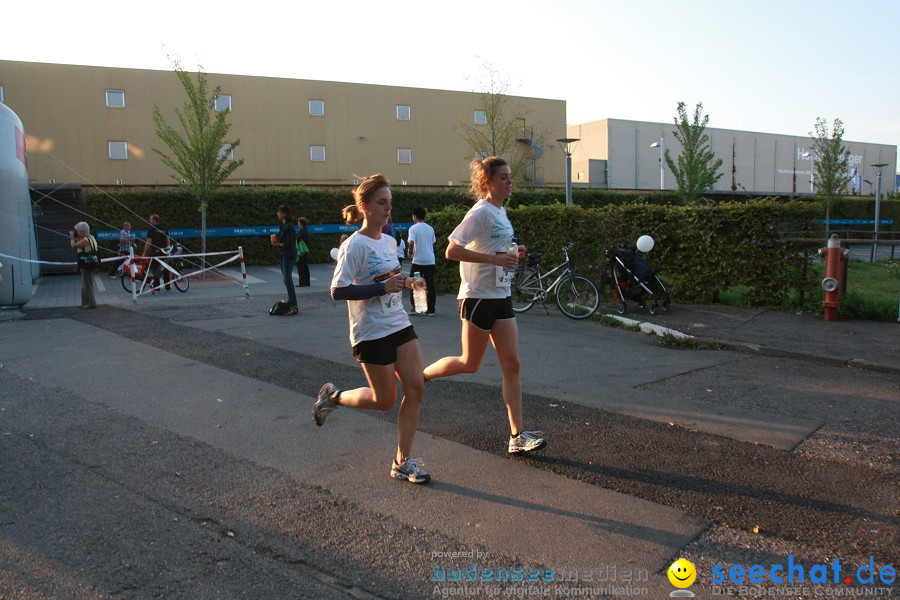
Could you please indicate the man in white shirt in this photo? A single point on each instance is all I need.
(421, 251)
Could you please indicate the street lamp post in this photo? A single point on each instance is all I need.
(794, 172)
(877, 168)
(661, 144)
(566, 145)
(812, 168)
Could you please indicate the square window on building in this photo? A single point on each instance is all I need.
(480, 117)
(223, 102)
(317, 153)
(403, 112)
(317, 108)
(404, 156)
(115, 98)
(226, 152)
(118, 150)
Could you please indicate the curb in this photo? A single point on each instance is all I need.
(857, 363)
(650, 327)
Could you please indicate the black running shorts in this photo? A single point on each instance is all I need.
(383, 351)
(484, 312)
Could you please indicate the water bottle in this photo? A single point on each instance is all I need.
(513, 251)
(513, 247)
(420, 299)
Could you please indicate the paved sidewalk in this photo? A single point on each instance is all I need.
(868, 344)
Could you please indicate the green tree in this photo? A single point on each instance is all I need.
(696, 171)
(832, 159)
(198, 151)
(504, 132)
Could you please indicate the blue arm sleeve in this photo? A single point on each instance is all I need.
(358, 292)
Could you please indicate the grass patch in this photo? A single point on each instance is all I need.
(873, 292)
(673, 341)
(613, 322)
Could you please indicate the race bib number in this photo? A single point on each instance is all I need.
(503, 277)
(392, 302)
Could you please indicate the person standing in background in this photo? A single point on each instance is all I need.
(83, 242)
(388, 228)
(401, 247)
(157, 241)
(421, 252)
(126, 243)
(303, 253)
(286, 243)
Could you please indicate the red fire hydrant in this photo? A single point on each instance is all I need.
(835, 257)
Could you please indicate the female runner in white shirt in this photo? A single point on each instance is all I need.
(480, 244)
(368, 277)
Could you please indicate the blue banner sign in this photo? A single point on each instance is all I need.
(857, 221)
(260, 231)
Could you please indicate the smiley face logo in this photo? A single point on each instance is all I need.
(682, 573)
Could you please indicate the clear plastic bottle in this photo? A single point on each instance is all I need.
(420, 299)
(513, 250)
(513, 247)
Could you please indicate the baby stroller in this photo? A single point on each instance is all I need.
(631, 278)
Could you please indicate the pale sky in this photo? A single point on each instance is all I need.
(757, 65)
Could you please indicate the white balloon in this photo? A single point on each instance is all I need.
(334, 252)
(645, 243)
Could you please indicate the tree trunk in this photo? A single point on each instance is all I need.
(203, 240)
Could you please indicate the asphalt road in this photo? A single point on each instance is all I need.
(150, 451)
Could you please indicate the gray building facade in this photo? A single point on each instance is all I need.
(623, 154)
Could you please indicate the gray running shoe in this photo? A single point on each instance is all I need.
(325, 403)
(411, 470)
(527, 441)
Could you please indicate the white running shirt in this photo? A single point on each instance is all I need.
(486, 229)
(363, 261)
(421, 234)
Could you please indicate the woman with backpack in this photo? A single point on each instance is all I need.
(85, 245)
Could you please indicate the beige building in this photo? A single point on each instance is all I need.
(94, 125)
(619, 154)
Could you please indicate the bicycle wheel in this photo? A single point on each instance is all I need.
(182, 283)
(126, 281)
(577, 297)
(524, 289)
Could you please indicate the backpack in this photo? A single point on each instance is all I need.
(89, 260)
(279, 309)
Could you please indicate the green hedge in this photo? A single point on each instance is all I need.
(864, 208)
(249, 207)
(700, 250)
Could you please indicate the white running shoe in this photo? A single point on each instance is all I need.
(325, 404)
(526, 441)
(411, 470)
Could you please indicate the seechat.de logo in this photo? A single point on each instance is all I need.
(794, 572)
